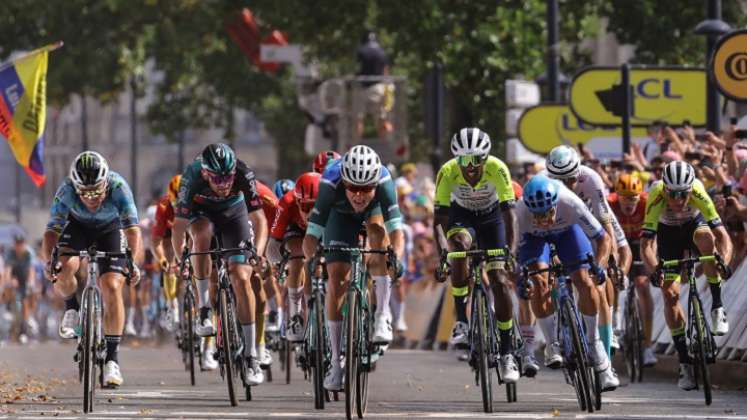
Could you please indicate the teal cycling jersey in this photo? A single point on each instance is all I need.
(118, 204)
(332, 197)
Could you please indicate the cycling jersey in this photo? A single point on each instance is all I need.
(631, 224)
(269, 201)
(164, 220)
(569, 211)
(657, 210)
(287, 214)
(332, 197)
(494, 186)
(195, 192)
(118, 206)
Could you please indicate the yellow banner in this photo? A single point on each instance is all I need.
(545, 126)
(671, 95)
(729, 65)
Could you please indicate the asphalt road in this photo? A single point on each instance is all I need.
(38, 382)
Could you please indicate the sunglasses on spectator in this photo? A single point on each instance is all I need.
(221, 180)
(360, 189)
(678, 194)
(92, 194)
(465, 161)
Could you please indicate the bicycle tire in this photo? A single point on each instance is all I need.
(226, 346)
(89, 352)
(637, 343)
(288, 360)
(702, 371)
(367, 348)
(579, 356)
(486, 382)
(189, 306)
(317, 373)
(351, 323)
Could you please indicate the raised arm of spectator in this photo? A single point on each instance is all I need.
(676, 143)
(730, 139)
(638, 155)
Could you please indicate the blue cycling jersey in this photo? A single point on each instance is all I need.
(119, 204)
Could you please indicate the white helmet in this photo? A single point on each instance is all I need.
(89, 169)
(563, 162)
(678, 176)
(361, 166)
(470, 141)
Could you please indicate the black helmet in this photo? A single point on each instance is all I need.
(88, 169)
(218, 158)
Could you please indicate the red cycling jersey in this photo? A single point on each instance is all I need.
(632, 224)
(164, 218)
(287, 214)
(269, 201)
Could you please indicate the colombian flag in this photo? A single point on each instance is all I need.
(23, 106)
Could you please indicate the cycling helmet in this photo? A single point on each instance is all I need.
(361, 166)
(282, 186)
(628, 184)
(219, 159)
(89, 169)
(470, 141)
(678, 176)
(307, 187)
(321, 160)
(563, 162)
(540, 194)
(173, 190)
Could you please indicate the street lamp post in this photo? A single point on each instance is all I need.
(553, 62)
(712, 28)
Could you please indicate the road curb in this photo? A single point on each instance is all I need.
(724, 374)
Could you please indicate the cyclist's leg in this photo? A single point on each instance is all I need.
(671, 243)
(706, 244)
(73, 237)
(460, 239)
(534, 253)
(295, 288)
(201, 231)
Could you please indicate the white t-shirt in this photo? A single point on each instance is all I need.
(569, 211)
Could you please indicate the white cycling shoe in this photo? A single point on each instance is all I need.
(264, 357)
(686, 380)
(207, 361)
(719, 322)
(254, 374)
(553, 358)
(382, 330)
(649, 358)
(333, 380)
(529, 365)
(459, 335)
(205, 328)
(70, 324)
(294, 333)
(112, 375)
(509, 369)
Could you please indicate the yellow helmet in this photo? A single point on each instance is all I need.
(628, 184)
(173, 189)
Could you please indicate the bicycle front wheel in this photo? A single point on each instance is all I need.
(89, 352)
(317, 373)
(486, 381)
(366, 353)
(702, 373)
(188, 338)
(226, 334)
(583, 381)
(633, 341)
(351, 354)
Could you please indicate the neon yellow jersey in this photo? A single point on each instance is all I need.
(494, 186)
(657, 209)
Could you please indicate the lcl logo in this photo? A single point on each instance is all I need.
(735, 66)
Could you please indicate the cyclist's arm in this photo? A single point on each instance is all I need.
(591, 227)
(178, 234)
(183, 209)
(135, 242)
(703, 202)
(387, 197)
(648, 253)
(442, 203)
(259, 222)
(157, 235)
(509, 219)
(604, 247)
(625, 258)
(310, 244)
(58, 215)
(723, 243)
(505, 192)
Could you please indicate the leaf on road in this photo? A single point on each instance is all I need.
(555, 412)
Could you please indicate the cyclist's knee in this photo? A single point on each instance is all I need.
(112, 284)
(704, 241)
(460, 242)
(671, 295)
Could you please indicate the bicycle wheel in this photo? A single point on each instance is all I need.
(367, 349)
(698, 342)
(486, 379)
(634, 342)
(189, 336)
(351, 353)
(579, 357)
(226, 334)
(288, 354)
(317, 346)
(89, 352)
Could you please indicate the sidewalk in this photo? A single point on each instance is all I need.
(724, 374)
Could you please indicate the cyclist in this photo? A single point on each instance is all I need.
(218, 196)
(282, 186)
(94, 206)
(475, 199)
(680, 216)
(165, 255)
(552, 214)
(628, 202)
(323, 159)
(20, 262)
(356, 189)
(563, 163)
(291, 220)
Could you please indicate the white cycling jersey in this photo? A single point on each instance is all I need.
(569, 211)
(591, 190)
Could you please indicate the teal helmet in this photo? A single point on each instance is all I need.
(219, 159)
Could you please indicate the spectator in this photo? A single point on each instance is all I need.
(376, 96)
(20, 268)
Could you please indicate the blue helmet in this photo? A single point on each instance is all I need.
(541, 194)
(282, 186)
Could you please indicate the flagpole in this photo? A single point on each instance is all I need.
(18, 194)
(50, 47)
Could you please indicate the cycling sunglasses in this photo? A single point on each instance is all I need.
(92, 194)
(678, 194)
(360, 189)
(465, 161)
(221, 180)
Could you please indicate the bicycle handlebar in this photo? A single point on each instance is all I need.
(723, 268)
(91, 253)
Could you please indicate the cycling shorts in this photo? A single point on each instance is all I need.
(572, 246)
(486, 227)
(78, 237)
(231, 225)
(343, 230)
(636, 268)
(673, 241)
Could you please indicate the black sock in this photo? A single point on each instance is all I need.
(460, 302)
(204, 312)
(112, 347)
(72, 303)
(680, 343)
(715, 295)
(507, 341)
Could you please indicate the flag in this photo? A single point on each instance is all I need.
(23, 109)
